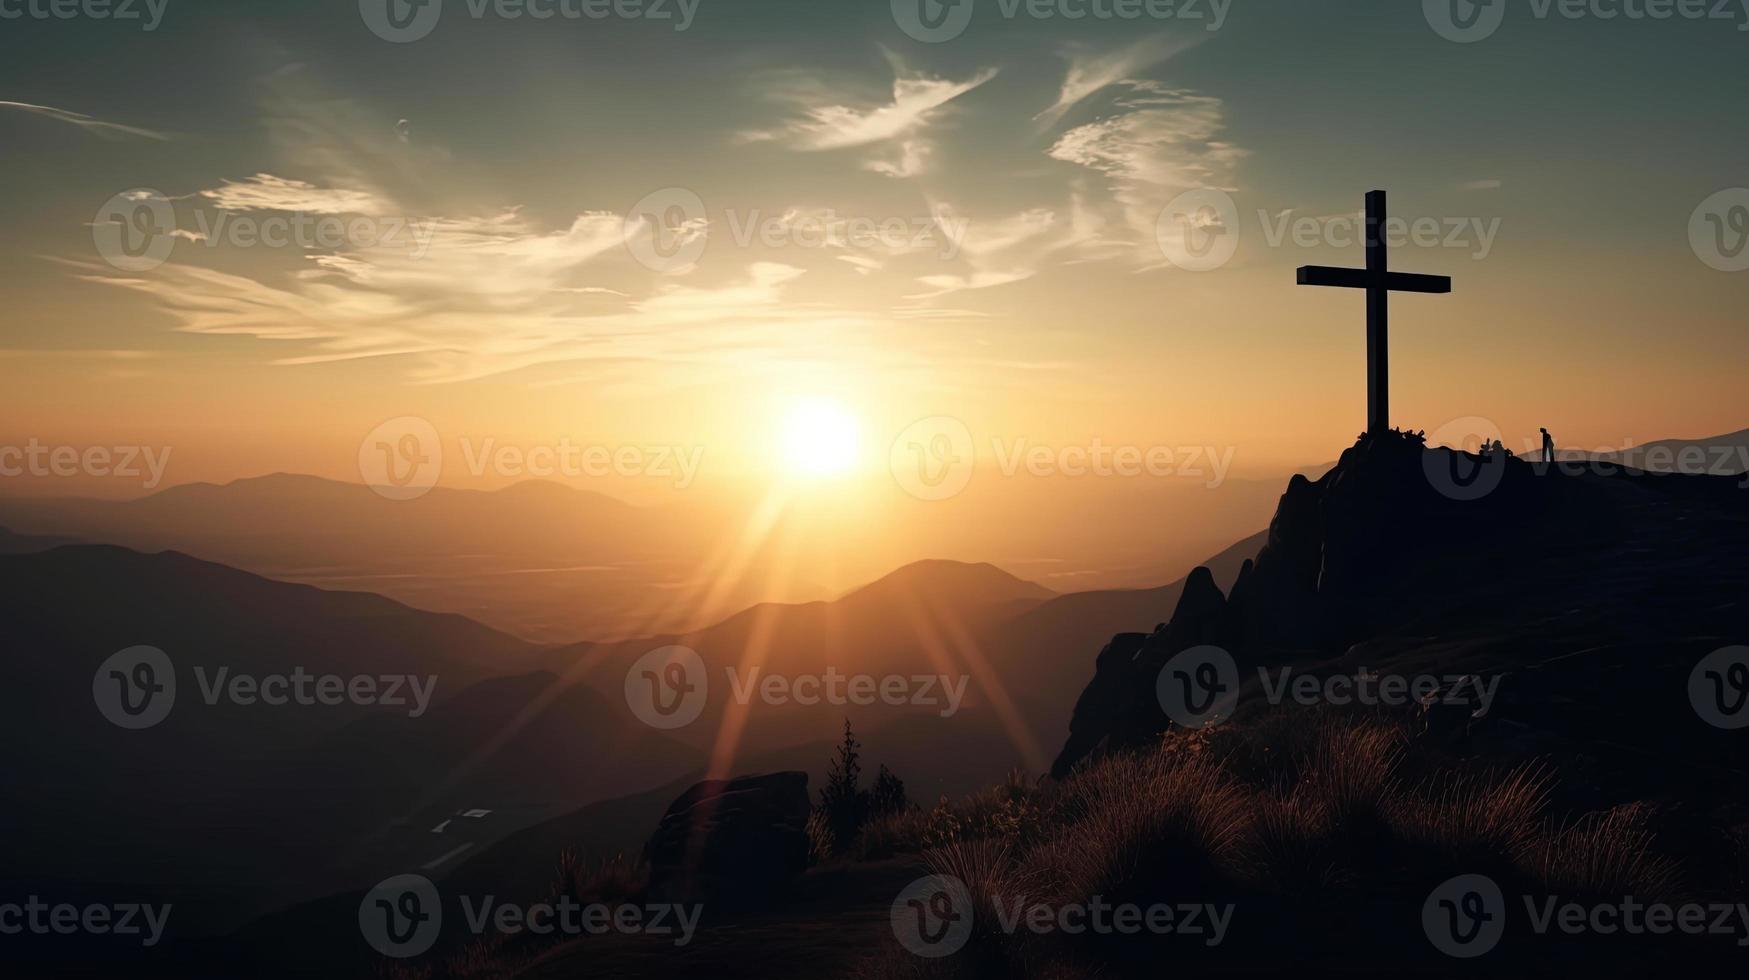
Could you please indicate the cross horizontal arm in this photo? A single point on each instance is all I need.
(1410, 282)
(1323, 275)
(1400, 282)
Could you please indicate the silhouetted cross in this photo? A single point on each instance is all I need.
(1379, 282)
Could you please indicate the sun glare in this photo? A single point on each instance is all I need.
(818, 439)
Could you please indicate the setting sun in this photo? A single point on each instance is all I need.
(819, 438)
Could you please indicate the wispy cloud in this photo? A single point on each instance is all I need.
(487, 293)
(828, 119)
(996, 252)
(96, 127)
(1482, 185)
(265, 192)
(1157, 143)
(1090, 71)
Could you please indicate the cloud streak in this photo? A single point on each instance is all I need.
(96, 127)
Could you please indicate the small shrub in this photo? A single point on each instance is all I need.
(904, 832)
(888, 795)
(942, 826)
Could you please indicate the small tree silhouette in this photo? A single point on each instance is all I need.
(844, 805)
(842, 801)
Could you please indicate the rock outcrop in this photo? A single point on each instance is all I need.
(731, 843)
(1391, 526)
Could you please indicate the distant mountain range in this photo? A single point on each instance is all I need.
(554, 564)
(291, 788)
(1719, 456)
(318, 798)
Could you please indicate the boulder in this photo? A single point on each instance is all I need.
(731, 843)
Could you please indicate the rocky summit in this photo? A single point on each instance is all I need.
(1584, 593)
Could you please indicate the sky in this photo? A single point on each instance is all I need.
(695, 225)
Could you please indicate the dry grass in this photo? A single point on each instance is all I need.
(1143, 827)
(1481, 821)
(1603, 856)
(1337, 816)
(822, 842)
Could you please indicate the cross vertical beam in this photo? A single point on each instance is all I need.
(1378, 318)
(1379, 282)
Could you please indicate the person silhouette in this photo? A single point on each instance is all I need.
(1548, 447)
